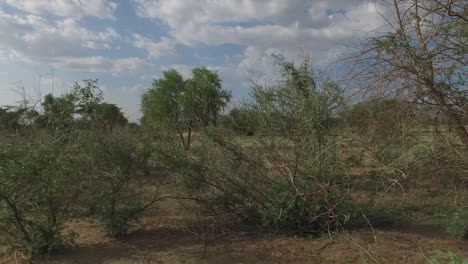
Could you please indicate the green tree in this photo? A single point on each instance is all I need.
(109, 116)
(161, 104)
(40, 181)
(82, 101)
(204, 98)
(184, 105)
(58, 111)
(87, 98)
(12, 118)
(299, 107)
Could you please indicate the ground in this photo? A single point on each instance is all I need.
(168, 234)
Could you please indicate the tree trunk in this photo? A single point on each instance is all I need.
(189, 138)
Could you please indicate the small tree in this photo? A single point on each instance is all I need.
(184, 105)
(83, 100)
(293, 179)
(299, 107)
(87, 98)
(40, 181)
(58, 111)
(116, 196)
(422, 58)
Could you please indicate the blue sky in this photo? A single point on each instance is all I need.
(47, 45)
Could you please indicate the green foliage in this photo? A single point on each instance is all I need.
(108, 116)
(204, 97)
(299, 107)
(58, 111)
(115, 196)
(87, 97)
(39, 182)
(13, 118)
(83, 100)
(440, 257)
(457, 223)
(292, 182)
(184, 105)
(161, 104)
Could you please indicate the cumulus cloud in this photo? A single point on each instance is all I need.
(300, 27)
(66, 8)
(36, 38)
(62, 43)
(155, 49)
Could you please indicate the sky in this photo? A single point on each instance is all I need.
(48, 45)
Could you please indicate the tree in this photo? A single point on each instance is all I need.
(204, 97)
(40, 183)
(300, 107)
(58, 111)
(184, 105)
(11, 117)
(87, 97)
(161, 104)
(83, 100)
(422, 58)
(108, 116)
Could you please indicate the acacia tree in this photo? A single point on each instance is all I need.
(108, 116)
(423, 58)
(301, 107)
(87, 97)
(184, 105)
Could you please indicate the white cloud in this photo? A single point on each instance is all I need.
(295, 28)
(63, 43)
(66, 8)
(155, 49)
(32, 37)
(184, 69)
(101, 64)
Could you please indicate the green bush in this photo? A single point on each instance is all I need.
(40, 180)
(440, 257)
(228, 178)
(116, 197)
(293, 179)
(457, 223)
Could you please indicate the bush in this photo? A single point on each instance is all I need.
(39, 182)
(228, 179)
(293, 179)
(457, 223)
(440, 257)
(116, 196)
